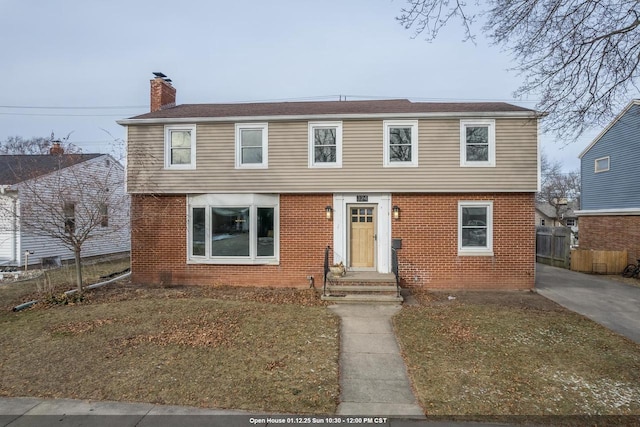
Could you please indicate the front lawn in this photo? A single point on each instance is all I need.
(273, 350)
(514, 353)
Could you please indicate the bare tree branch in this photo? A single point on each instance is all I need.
(580, 58)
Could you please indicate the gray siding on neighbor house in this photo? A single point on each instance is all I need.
(618, 188)
(362, 168)
(42, 198)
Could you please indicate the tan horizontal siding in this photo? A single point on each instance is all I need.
(362, 165)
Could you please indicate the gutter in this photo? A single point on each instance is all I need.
(476, 114)
(605, 212)
(73, 291)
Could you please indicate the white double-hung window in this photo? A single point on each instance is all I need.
(180, 147)
(475, 227)
(400, 143)
(325, 144)
(478, 143)
(252, 145)
(233, 229)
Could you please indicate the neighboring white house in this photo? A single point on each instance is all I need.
(44, 195)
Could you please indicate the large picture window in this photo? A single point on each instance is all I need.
(325, 144)
(401, 143)
(179, 147)
(477, 143)
(475, 228)
(252, 145)
(233, 229)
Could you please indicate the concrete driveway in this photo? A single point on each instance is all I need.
(613, 304)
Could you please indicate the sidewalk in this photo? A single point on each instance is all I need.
(33, 412)
(373, 376)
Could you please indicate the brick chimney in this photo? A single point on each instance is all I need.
(56, 149)
(163, 95)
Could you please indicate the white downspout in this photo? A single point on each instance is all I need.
(13, 237)
(14, 232)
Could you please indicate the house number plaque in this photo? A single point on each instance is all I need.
(362, 198)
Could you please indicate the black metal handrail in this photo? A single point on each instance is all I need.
(326, 270)
(395, 268)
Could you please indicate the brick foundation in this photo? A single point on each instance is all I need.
(427, 226)
(611, 233)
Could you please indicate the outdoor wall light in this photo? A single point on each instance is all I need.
(329, 212)
(396, 212)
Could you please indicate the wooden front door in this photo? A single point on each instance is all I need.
(362, 236)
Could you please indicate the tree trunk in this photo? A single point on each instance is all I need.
(76, 252)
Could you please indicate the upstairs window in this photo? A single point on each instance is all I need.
(104, 215)
(180, 147)
(602, 164)
(325, 144)
(252, 145)
(477, 143)
(401, 143)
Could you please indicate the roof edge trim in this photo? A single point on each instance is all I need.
(501, 114)
(609, 126)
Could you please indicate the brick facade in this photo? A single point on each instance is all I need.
(427, 226)
(611, 233)
(159, 245)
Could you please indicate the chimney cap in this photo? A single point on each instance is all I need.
(56, 148)
(159, 74)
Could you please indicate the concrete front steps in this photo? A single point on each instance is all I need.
(362, 287)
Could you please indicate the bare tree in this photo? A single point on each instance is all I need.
(73, 204)
(558, 189)
(35, 145)
(580, 57)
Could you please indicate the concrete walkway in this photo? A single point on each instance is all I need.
(373, 376)
(613, 304)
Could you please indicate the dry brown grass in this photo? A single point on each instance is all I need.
(515, 353)
(60, 280)
(273, 350)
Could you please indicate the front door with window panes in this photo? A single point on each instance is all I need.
(362, 236)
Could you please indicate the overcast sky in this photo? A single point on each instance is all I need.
(91, 61)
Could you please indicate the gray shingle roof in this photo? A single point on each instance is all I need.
(392, 106)
(19, 168)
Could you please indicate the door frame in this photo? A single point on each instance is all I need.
(383, 227)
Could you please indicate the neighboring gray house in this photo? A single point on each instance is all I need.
(57, 192)
(610, 214)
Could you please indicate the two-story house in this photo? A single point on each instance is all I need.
(610, 199)
(252, 193)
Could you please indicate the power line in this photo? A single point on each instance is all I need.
(62, 115)
(107, 107)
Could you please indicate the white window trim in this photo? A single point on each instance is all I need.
(491, 124)
(264, 127)
(253, 201)
(595, 164)
(167, 146)
(413, 124)
(311, 137)
(488, 251)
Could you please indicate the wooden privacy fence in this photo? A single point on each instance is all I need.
(603, 262)
(553, 246)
